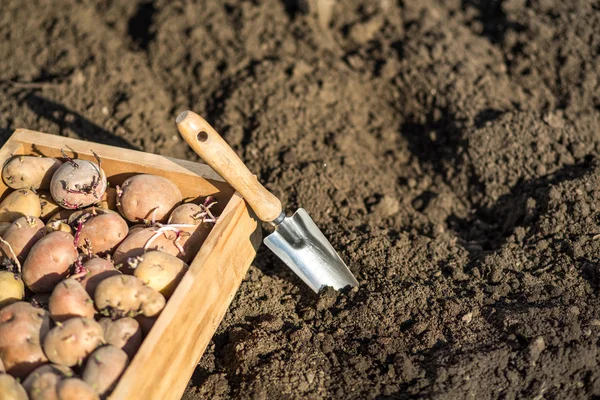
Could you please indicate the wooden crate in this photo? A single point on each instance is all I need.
(169, 354)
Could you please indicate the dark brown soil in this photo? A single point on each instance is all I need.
(448, 149)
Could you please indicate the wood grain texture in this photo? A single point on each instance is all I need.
(209, 145)
(169, 354)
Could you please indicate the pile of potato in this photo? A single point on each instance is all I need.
(86, 269)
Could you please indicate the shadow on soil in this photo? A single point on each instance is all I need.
(67, 119)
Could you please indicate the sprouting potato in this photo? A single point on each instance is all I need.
(29, 172)
(23, 233)
(48, 261)
(12, 288)
(77, 184)
(18, 204)
(187, 213)
(97, 269)
(69, 300)
(124, 333)
(160, 271)
(54, 226)
(62, 215)
(42, 383)
(101, 232)
(104, 368)
(11, 389)
(147, 197)
(75, 389)
(126, 295)
(49, 206)
(69, 343)
(22, 328)
(178, 240)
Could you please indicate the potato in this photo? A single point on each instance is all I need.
(59, 226)
(18, 204)
(147, 197)
(109, 200)
(104, 368)
(11, 389)
(135, 228)
(48, 261)
(22, 328)
(103, 232)
(49, 206)
(69, 300)
(75, 389)
(190, 240)
(4, 227)
(2, 369)
(160, 271)
(42, 384)
(77, 184)
(126, 295)
(21, 236)
(11, 288)
(124, 333)
(29, 172)
(62, 215)
(97, 269)
(186, 214)
(69, 343)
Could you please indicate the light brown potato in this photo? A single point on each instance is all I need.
(23, 233)
(54, 226)
(12, 288)
(104, 368)
(126, 295)
(75, 389)
(18, 204)
(124, 333)
(4, 227)
(69, 300)
(11, 389)
(72, 341)
(22, 328)
(109, 200)
(49, 206)
(42, 384)
(190, 240)
(62, 215)
(98, 269)
(186, 214)
(103, 232)
(48, 261)
(147, 197)
(160, 271)
(29, 172)
(77, 184)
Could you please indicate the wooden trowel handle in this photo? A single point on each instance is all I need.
(209, 145)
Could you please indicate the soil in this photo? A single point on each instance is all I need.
(449, 150)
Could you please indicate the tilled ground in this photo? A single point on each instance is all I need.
(448, 149)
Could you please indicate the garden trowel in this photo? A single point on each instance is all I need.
(297, 240)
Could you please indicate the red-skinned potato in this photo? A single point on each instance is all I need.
(104, 368)
(160, 271)
(103, 231)
(22, 234)
(97, 269)
(12, 288)
(48, 261)
(187, 213)
(11, 389)
(124, 333)
(69, 300)
(75, 389)
(29, 172)
(77, 184)
(42, 383)
(22, 328)
(71, 342)
(126, 295)
(147, 197)
(18, 204)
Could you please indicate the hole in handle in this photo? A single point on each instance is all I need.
(202, 136)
